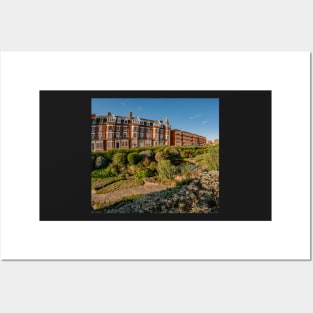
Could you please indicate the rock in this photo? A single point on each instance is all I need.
(146, 154)
(100, 162)
(200, 196)
(158, 156)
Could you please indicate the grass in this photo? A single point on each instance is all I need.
(208, 161)
(112, 204)
(120, 185)
(98, 183)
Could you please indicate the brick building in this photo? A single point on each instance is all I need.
(125, 132)
(183, 138)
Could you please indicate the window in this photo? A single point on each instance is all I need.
(110, 127)
(142, 123)
(148, 123)
(135, 128)
(134, 144)
(124, 135)
(135, 135)
(117, 128)
(100, 128)
(125, 128)
(119, 121)
(148, 136)
(117, 135)
(142, 129)
(110, 135)
(141, 135)
(99, 136)
(93, 129)
(109, 144)
(94, 121)
(125, 122)
(99, 145)
(92, 136)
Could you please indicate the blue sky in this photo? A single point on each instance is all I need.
(196, 115)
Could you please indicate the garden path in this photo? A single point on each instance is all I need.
(116, 195)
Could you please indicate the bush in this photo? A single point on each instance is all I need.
(110, 171)
(146, 162)
(135, 168)
(209, 161)
(143, 174)
(166, 170)
(133, 158)
(119, 159)
(153, 165)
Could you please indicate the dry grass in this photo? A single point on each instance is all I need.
(120, 185)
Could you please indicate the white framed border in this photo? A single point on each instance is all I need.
(286, 237)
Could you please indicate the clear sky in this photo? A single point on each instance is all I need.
(196, 115)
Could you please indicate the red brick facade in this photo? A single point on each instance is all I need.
(183, 138)
(125, 132)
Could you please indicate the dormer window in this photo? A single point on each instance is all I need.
(142, 123)
(148, 123)
(125, 121)
(119, 121)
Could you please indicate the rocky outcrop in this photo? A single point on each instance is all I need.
(200, 195)
(99, 162)
(146, 154)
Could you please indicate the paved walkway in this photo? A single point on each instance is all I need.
(116, 195)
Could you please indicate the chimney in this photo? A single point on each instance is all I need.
(109, 113)
(130, 115)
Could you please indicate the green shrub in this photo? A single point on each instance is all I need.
(119, 159)
(165, 169)
(110, 171)
(209, 161)
(153, 166)
(133, 158)
(146, 162)
(143, 174)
